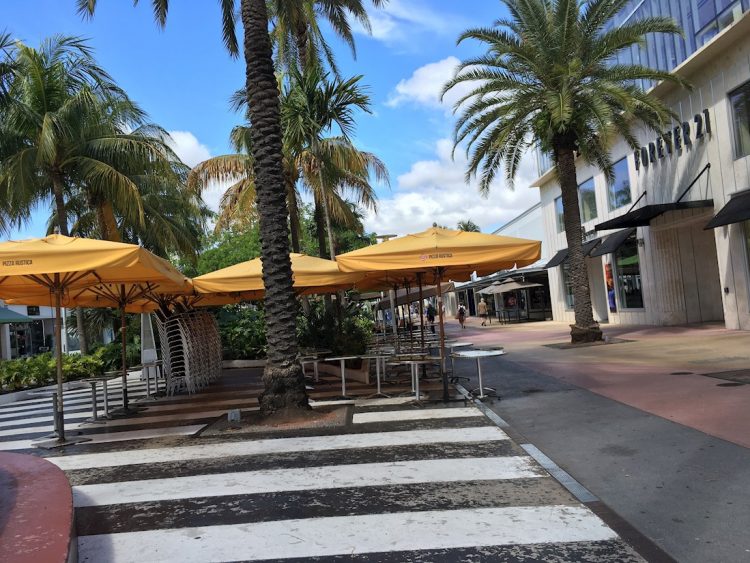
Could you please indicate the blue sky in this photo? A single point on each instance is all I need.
(183, 77)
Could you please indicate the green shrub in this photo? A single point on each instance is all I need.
(320, 328)
(40, 370)
(243, 332)
(110, 355)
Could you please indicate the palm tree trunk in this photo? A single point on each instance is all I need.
(105, 215)
(283, 379)
(585, 328)
(294, 223)
(320, 228)
(329, 230)
(58, 191)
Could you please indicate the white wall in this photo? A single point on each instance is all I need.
(688, 274)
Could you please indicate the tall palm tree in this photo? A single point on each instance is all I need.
(330, 167)
(548, 78)
(283, 378)
(61, 129)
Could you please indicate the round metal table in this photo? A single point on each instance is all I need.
(478, 355)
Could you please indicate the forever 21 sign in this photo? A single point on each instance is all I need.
(674, 140)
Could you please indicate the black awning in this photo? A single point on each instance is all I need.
(642, 216)
(562, 255)
(736, 210)
(612, 242)
(558, 258)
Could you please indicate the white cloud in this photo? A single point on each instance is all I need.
(425, 85)
(400, 21)
(191, 151)
(436, 191)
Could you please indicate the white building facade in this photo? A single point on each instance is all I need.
(30, 336)
(669, 241)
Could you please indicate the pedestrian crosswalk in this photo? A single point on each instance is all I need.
(397, 482)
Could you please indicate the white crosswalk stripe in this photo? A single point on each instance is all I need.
(430, 483)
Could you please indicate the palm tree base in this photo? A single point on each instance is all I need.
(284, 390)
(584, 335)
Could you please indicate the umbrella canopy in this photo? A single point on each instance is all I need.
(27, 265)
(507, 286)
(245, 280)
(457, 253)
(7, 316)
(57, 269)
(444, 253)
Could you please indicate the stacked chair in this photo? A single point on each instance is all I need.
(191, 351)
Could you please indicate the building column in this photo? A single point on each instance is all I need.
(5, 342)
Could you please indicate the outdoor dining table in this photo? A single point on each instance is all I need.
(93, 381)
(478, 355)
(342, 360)
(414, 367)
(452, 346)
(378, 359)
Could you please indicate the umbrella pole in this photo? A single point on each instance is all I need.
(421, 311)
(58, 361)
(392, 297)
(438, 276)
(123, 338)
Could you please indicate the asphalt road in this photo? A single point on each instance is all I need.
(685, 490)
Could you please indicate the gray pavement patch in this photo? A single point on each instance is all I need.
(565, 479)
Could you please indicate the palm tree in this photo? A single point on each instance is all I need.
(66, 128)
(283, 378)
(298, 38)
(548, 78)
(468, 226)
(331, 168)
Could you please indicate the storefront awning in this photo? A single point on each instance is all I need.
(612, 242)
(8, 316)
(562, 255)
(642, 216)
(736, 210)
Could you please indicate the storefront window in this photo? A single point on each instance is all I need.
(628, 270)
(559, 219)
(740, 102)
(567, 286)
(619, 190)
(587, 199)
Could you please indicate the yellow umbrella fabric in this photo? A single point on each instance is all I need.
(27, 265)
(458, 253)
(50, 269)
(245, 280)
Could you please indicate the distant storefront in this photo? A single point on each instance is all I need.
(25, 331)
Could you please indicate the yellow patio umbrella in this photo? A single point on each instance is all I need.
(76, 271)
(245, 280)
(442, 253)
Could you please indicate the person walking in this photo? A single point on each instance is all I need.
(431, 317)
(462, 316)
(482, 309)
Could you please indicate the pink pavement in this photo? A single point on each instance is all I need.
(36, 511)
(640, 373)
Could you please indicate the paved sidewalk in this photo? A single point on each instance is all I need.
(684, 488)
(657, 369)
(396, 483)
